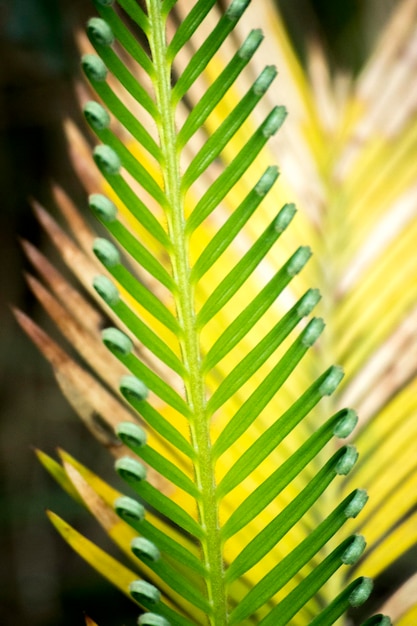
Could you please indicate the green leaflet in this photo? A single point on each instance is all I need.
(235, 170)
(207, 49)
(174, 379)
(256, 308)
(290, 565)
(244, 268)
(277, 529)
(129, 388)
(218, 88)
(282, 426)
(234, 224)
(348, 552)
(221, 137)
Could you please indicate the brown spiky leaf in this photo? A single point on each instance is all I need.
(74, 302)
(98, 408)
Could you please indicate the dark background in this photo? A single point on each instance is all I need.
(42, 583)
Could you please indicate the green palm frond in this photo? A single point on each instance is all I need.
(216, 379)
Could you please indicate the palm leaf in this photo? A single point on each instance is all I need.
(239, 471)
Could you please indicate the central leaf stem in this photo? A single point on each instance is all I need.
(190, 340)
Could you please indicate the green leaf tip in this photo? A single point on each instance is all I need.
(378, 620)
(274, 121)
(129, 510)
(103, 207)
(312, 331)
(130, 470)
(346, 424)
(106, 252)
(106, 289)
(236, 9)
(133, 388)
(99, 32)
(251, 43)
(145, 549)
(331, 381)
(96, 115)
(117, 341)
(265, 78)
(266, 181)
(94, 67)
(358, 501)
(152, 619)
(347, 461)
(103, 3)
(107, 160)
(144, 592)
(354, 551)
(307, 302)
(132, 435)
(361, 593)
(284, 217)
(298, 260)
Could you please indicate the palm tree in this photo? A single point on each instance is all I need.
(211, 370)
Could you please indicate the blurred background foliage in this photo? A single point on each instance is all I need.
(42, 583)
